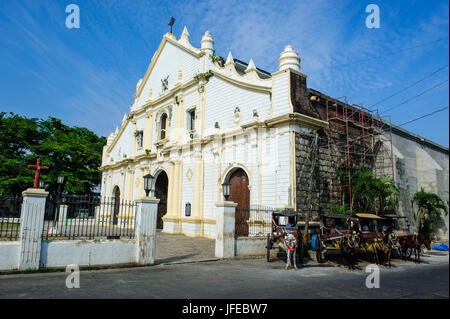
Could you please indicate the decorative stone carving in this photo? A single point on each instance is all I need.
(189, 174)
(165, 83)
(237, 115)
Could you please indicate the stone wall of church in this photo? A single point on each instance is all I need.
(419, 165)
(320, 192)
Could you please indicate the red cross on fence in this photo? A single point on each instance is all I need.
(38, 169)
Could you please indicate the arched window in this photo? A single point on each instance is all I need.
(163, 126)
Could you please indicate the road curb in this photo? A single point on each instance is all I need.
(187, 262)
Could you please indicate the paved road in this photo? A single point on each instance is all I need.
(249, 278)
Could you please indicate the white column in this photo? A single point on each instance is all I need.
(146, 213)
(31, 225)
(225, 212)
(62, 218)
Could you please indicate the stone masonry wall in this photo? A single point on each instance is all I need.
(321, 177)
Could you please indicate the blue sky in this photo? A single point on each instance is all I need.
(87, 76)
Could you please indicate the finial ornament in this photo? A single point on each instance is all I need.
(185, 32)
(184, 39)
(251, 66)
(230, 59)
(289, 59)
(207, 43)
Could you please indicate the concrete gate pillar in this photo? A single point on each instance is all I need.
(146, 218)
(225, 212)
(31, 225)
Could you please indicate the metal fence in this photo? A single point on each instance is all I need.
(10, 217)
(89, 217)
(253, 221)
(257, 221)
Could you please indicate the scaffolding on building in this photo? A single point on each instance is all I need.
(358, 138)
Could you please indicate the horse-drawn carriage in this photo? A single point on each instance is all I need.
(334, 228)
(372, 240)
(403, 241)
(390, 225)
(350, 235)
(286, 234)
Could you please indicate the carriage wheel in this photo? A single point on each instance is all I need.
(269, 247)
(407, 254)
(318, 250)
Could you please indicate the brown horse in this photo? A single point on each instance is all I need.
(348, 245)
(415, 243)
(384, 249)
(386, 244)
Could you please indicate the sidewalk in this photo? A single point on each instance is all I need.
(178, 248)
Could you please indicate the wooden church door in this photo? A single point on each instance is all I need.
(161, 189)
(240, 194)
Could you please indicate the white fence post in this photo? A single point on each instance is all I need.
(97, 213)
(146, 214)
(31, 225)
(225, 233)
(62, 218)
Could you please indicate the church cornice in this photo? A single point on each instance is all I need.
(163, 98)
(297, 118)
(243, 81)
(128, 161)
(119, 134)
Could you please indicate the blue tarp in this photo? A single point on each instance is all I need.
(440, 247)
(313, 242)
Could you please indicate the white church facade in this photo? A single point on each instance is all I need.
(198, 121)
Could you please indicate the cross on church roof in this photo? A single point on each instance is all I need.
(38, 169)
(172, 20)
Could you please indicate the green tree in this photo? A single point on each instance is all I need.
(385, 194)
(72, 151)
(369, 194)
(334, 208)
(429, 217)
(17, 135)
